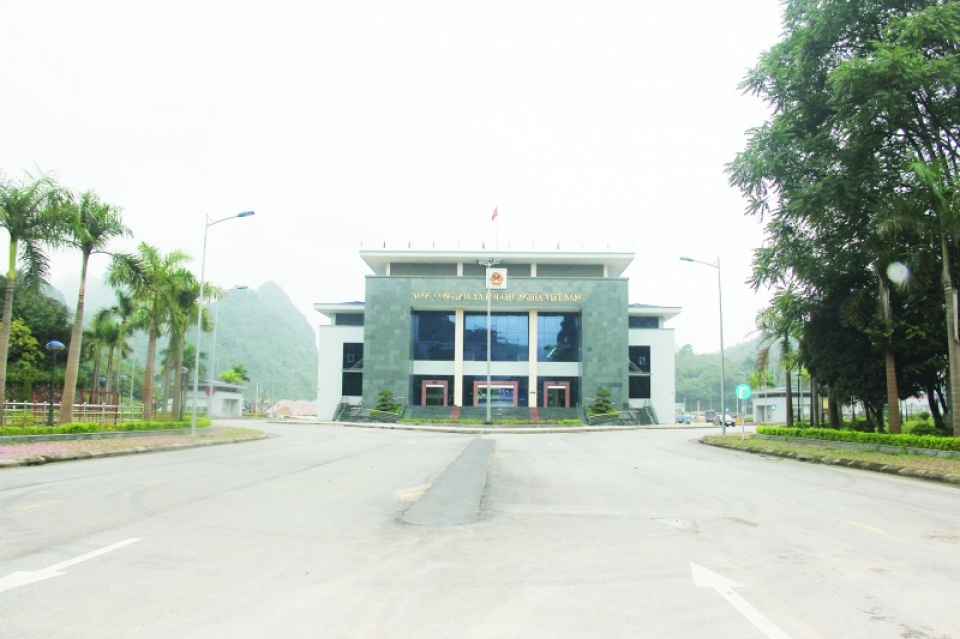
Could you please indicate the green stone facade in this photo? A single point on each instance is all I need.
(602, 302)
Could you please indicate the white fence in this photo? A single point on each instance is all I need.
(37, 414)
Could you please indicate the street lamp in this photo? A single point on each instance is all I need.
(183, 396)
(54, 347)
(723, 412)
(203, 264)
(121, 379)
(488, 262)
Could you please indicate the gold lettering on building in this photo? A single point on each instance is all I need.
(466, 296)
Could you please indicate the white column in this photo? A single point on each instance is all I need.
(458, 359)
(459, 269)
(386, 270)
(533, 269)
(532, 391)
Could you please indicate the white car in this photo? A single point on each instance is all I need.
(728, 418)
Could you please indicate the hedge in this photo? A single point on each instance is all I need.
(97, 427)
(883, 439)
(499, 422)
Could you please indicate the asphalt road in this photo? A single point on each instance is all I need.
(583, 535)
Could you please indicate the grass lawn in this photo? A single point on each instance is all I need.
(918, 462)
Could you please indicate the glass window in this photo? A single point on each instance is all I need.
(509, 337)
(351, 384)
(352, 355)
(639, 359)
(644, 322)
(558, 337)
(433, 335)
(639, 387)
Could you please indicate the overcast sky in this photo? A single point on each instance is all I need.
(350, 122)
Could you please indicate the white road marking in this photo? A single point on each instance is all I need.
(705, 578)
(25, 577)
(42, 503)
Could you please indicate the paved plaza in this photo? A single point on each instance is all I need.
(329, 531)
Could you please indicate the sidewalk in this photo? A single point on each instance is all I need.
(475, 429)
(45, 452)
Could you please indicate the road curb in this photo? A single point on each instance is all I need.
(49, 459)
(891, 469)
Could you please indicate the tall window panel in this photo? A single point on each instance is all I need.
(509, 337)
(558, 337)
(433, 335)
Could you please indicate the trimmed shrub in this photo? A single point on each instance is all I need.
(882, 439)
(602, 404)
(97, 427)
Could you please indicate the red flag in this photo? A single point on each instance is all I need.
(495, 214)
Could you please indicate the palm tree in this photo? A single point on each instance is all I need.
(92, 225)
(780, 322)
(151, 277)
(32, 217)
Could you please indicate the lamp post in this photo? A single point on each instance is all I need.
(54, 347)
(488, 262)
(203, 264)
(183, 396)
(121, 379)
(723, 420)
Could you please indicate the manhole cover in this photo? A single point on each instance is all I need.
(686, 525)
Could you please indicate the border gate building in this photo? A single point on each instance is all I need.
(562, 329)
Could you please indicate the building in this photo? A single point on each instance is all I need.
(770, 405)
(217, 399)
(562, 329)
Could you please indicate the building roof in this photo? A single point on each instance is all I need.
(330, 308)
(615, 261)
(649, 310)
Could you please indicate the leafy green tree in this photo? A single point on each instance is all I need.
(92, 226)
(30, 213)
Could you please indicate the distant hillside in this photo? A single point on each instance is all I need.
(264, 330)
(260, 328)
(698, 374)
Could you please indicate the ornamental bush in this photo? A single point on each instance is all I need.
(385, 402)
(602, 404)
(933, 442)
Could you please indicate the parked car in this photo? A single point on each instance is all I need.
(684, 419)
(728, 418)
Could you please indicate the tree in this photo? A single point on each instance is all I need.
(30, 213)
(152, 279)
(857, 89)
(92, 225)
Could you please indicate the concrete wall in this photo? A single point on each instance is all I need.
(330, 365)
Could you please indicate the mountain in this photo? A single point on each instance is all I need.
(263, 330)
(259, 328)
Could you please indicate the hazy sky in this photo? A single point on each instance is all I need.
(400, 122)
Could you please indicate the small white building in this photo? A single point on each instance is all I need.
(770, 405)
(217, 399)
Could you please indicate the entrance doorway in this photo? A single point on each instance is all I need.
(433, 392)
(556, 394)
(501, 393)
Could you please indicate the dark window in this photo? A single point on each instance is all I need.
(558, 337)
(639, 387)
(353, 355)
(639, 359)
(639, 321)
(433, 334)
(348, 319)
(509, 337)
(351, 384)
